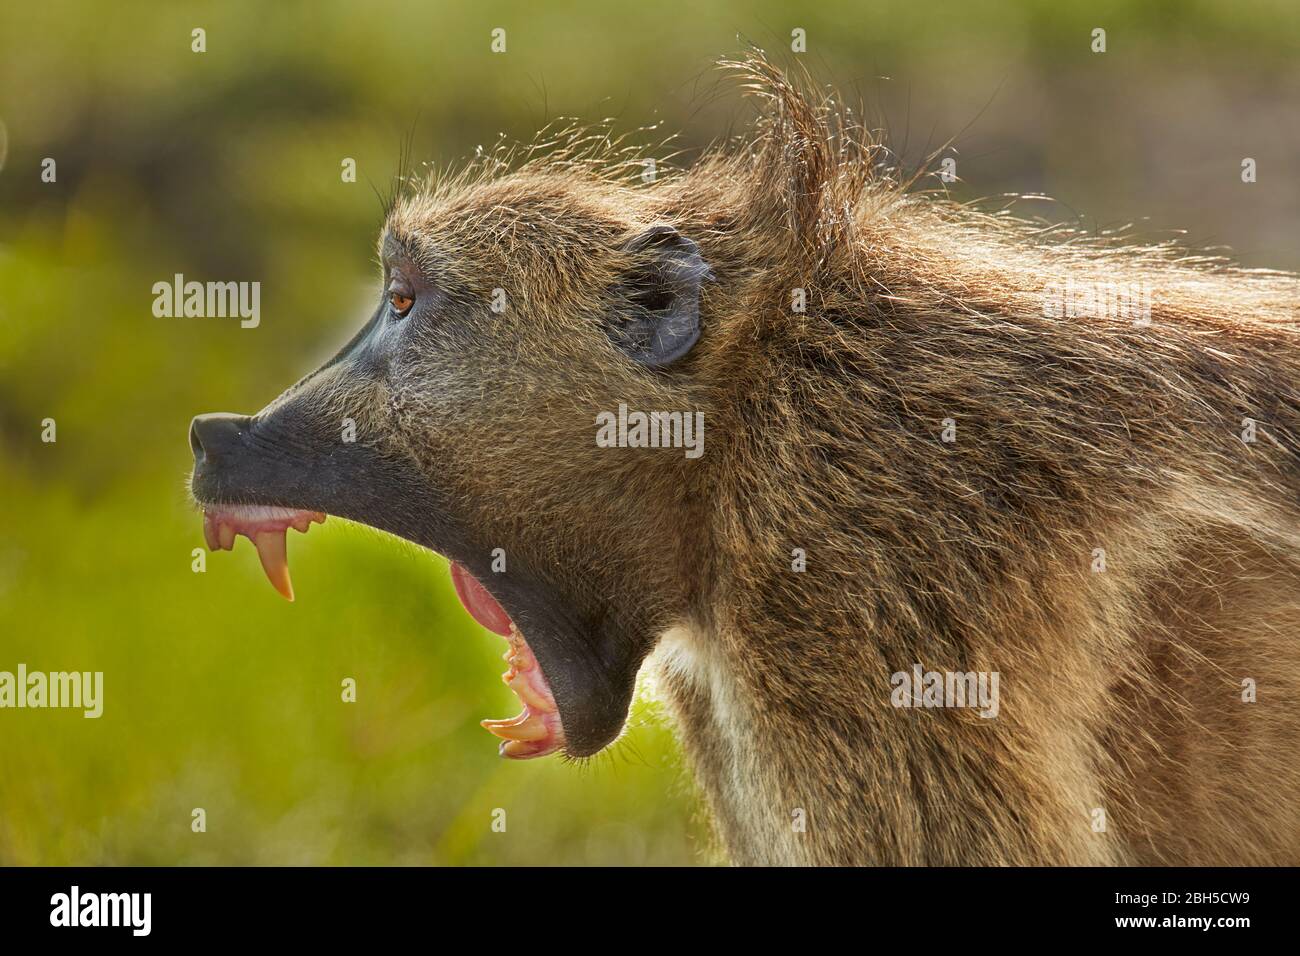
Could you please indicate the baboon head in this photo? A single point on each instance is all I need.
(463, 416)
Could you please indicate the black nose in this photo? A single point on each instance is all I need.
(213, 435)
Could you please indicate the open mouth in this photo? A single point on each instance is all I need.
(535, 732)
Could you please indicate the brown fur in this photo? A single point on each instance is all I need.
(1120, 690)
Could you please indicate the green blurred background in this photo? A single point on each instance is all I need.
(225, 166)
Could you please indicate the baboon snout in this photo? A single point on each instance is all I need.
(216, 434)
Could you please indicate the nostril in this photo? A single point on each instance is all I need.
(215, 434)
(196, 443)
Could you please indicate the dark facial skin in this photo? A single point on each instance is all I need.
(475, 431)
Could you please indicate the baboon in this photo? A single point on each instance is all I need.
(922, 453)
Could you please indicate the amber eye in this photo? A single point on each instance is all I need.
(400, 304)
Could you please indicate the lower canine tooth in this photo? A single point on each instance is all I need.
(520, 749)
(271, 551)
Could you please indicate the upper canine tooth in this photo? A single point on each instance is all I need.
(210, 533)
(271, 551)
(226, 536)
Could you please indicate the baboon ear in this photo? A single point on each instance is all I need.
(656, 316)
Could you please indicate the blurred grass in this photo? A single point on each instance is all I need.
(226, 166)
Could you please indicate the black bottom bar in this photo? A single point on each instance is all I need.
(335, 905)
